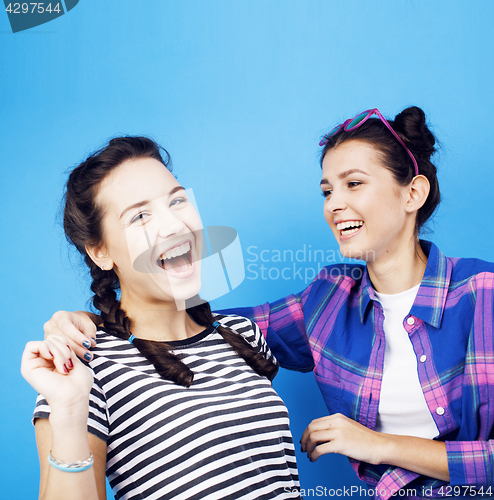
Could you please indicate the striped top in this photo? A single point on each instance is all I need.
(227, 436)
(335, 327)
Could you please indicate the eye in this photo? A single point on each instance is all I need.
(140, 217)
(326, 193)
(177, 201)
(352, 184)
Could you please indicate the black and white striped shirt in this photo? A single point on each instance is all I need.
(227, 436)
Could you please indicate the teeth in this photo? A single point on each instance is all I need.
(351, 223)
(176, 252)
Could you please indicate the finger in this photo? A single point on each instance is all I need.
(36, 354)
(86, 326)
(322, 449)
(62, 353)
(317, 438)
(36, 349)
(69, 332)
(75, 325)
(316, 425)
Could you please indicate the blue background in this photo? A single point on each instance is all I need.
(239, 93)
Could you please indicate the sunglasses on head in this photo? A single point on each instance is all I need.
(360, 119)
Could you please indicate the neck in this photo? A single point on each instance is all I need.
(159, 321)
(398, 270)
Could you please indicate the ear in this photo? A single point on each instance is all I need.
(418, 191)
(100, 257)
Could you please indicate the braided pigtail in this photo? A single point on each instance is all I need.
(83, 228)
(202, 315)
(168, 365)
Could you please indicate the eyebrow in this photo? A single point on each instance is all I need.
(145, 202)
(346, 173)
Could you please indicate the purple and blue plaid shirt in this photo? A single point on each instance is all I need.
(335, 327)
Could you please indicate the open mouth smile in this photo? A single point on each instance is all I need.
(349, 228)
(177, 261)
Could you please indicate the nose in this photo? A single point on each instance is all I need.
(170, 224)
(335, 204)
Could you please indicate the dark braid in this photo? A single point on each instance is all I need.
(82, 224)
(167, 364)
(202, 315)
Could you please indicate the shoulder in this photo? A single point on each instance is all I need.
(111, 354)
(107, 342)
(471, 269)
(237, 323)
(243, 326)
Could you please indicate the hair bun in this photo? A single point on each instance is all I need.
(410, 124)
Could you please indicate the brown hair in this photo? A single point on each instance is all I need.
(410, 125)
(82, 224)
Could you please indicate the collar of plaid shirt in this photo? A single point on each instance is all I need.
(431, 298)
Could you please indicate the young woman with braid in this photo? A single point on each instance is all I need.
(402, 347)
(176, 403)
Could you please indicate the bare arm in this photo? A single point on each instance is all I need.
(89, 484)
(339, 434)
(65, 434)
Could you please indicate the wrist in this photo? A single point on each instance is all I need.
(385, 448)
(70, 418)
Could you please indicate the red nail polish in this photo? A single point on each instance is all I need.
(69, 362)
(65, 369)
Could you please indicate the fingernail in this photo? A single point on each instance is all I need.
(66, 370)
(86, 344)
(69, 362)
(87, 356)
(94, 340)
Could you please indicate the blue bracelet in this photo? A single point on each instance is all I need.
(216, 324)
(131, 339)
(71, 467)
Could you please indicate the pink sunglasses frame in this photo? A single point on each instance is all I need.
(347, 127)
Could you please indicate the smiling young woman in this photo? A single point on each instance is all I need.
(176, 402)
(402, 346)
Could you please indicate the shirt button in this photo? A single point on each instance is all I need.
(440, 410)
(411, 320)
(423, 358)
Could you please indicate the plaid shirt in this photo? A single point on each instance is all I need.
(335, 327)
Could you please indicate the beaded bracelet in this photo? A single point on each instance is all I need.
(80, 466)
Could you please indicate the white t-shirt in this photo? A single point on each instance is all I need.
(402, 406)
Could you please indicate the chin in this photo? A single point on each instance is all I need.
(356, 253)
(184, 290)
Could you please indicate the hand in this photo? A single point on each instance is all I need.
(43, 367)
(340, 434)
(79, 329)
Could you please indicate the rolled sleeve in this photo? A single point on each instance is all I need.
(471, 462)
